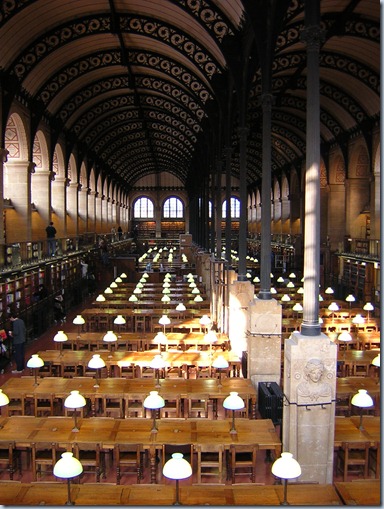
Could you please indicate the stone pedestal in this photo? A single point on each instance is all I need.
(309, 406)
(264, 341)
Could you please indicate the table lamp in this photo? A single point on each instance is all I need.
(96, 362)
(280, 279)
(205, 321)
(256, 279)
(113, 284)
(177, 468)
(60, 337)
(362, 400)
(345, 337)
(164, 320)
(133, 298)
(66, 468)
(210, 337)
(198, 298)
(376, 361)
(166, 284)
(157, 363)
(195, 291)
(110, 337)
(286, 467)
(123, 275)
(220, 363)
(292, 275)
(153, 402)
(350, 298)
(333, 307)
(290, 284)
(79, 321)
(75, 400)
(368, 307)
(108, 290)
(118, 279)
(233, 402)
(329, 291)
(181, 308)
(285, 298)
(119, 321)
(35, 363)
(4, 400)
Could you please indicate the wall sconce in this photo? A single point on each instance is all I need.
(362, 400)
(233, 402)
(153, 402)
(286, 467)
(96, 362)
(75, 400)
(4, 400)
(66, 468)
(79, 321)
(35, 363)
(177, 468)
(60, 337)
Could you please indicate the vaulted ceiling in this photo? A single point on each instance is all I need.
(141, 87)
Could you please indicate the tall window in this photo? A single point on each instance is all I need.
(143, 208)
(235, 208)
(173, 208)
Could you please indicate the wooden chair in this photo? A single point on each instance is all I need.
(172, 407)
(44, 456)
(198, 405)
(129, 459)
(169, 449)
(9, 459)
(43, 404)
(242, 460)
(374, 460)
(91, 457)
(353, 458)
(112, 407)
(16, 406)
(210, 462)
(343, 405)
(134, 406)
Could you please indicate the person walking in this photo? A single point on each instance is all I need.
(18, 335)
(51, 233)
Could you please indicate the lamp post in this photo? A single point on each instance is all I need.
(362, 400)
(177, 468)
(157, 363)
(75, 400)
(368, 307)
(66, 468)
(60, 337)
(4, 400)
(153, 402)
(220, 363)
(35, 363)
(286, 467)
(233, 402)
(96, 362)
(79, 321)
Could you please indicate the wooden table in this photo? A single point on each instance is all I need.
(347, 430)
(121, 387)
(351, 384)
(101, 494)
(23, 430)
(361, 492)
(119, 358)
(354, 358)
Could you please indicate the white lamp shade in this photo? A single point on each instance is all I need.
(210, 337)
(344, 336)
(157, 362)
(165, 298)
(376, 361)
(300, 290)
(286, 467)
(362, 399)
(256, 279)
(368, 307)
(358, 319)
(166, 291)
(110, 337)
(74, 400)
(118, 280)
(350, 298)
(60, 337)
(220, 362)
(35, 361)
(329, 290)
(113, 284)
(180, 307)
(146, 275)
(205, 320)
(4, 400)
(198, 298)
(140, 284)
(273, 290)
(137, 291)
(292, 275)
(280, 279)
(96, 362)
(195, 291)
(164, 320)
(133, 298)
(123, 275)
(78, 320)
(177, 467)
(233, 402)
(285, 298)
(100, 298)
(153, 401)
(333, 307)
(166, 284)
(160, 338)
(297, 307)
(67, 467)
(108, 290)
(119, 320)
(290, 285)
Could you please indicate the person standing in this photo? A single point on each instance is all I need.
(18, 335)
(51, 233)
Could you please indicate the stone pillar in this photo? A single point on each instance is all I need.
(264, 341)
(158, 220)
(242, 266)
(59, 205)
(104, 215)
(18, 185)
(309, 406)
(41, 197)
(72, 210)
(91, 227)
(241, 295)
(83, 209)
(99, 212)
(3, 159)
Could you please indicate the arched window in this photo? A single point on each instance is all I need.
(173, 208)
(143, 208)
(235, 208)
